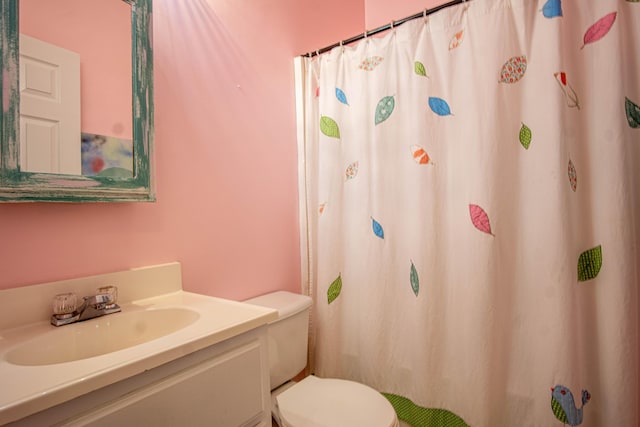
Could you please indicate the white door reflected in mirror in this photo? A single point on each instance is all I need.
(49, 108)
(99, 33)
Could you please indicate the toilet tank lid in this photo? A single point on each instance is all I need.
(287, 303)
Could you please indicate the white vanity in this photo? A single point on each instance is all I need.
(169, 358)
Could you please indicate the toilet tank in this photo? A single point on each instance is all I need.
(288, 335)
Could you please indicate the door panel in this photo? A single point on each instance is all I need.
(49, 108)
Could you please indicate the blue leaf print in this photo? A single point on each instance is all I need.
(341, 96)
(439, 106)
(552, 8)
(377, 228)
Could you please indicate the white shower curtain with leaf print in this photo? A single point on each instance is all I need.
(471, 193)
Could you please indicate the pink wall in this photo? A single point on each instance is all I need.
(225, 158)
(225, 155)
(100, 31)
(382, 12)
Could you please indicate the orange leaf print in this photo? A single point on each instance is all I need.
(456, 40)
(420, 155)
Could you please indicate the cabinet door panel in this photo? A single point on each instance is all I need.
(223, 391)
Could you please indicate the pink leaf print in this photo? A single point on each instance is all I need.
(480, 219)
(599, 29)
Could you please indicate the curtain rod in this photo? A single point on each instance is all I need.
(384, 28)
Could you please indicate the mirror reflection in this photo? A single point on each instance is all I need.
(76, 87)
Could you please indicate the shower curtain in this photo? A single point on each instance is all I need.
(470, 198)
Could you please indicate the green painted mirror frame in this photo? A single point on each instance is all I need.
(19, 186)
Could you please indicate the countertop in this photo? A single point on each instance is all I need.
(29, 389)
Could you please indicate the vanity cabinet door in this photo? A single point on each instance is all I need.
(227, 390)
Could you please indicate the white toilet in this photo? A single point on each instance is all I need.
(313, 402)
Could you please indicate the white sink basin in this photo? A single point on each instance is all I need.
(100, 336)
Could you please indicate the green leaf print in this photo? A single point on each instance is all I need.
(589, 263)
(334, 290)
(525, 136)
(418, 416)
(419, 69)
(329, 127)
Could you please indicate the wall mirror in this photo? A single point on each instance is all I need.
(107, 128)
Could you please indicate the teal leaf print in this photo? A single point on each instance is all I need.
(552, 8)
(439, 106)
(415, 415)
(513, 70)
(419, 69)
(589, 264)
(329, 127)
(377, 228)
(341, 96)
(413, 278)
(633, 112)
(384, 109)
(334, 290)
(525, 136)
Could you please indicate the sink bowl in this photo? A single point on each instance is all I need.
(100, 336)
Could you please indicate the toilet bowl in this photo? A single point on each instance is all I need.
(328, 402)
(314, 401)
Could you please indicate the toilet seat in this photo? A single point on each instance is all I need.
(323, 402)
